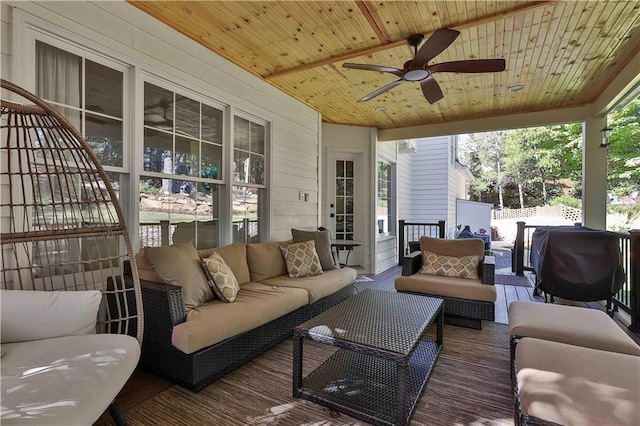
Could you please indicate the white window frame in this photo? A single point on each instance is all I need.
(392, 205)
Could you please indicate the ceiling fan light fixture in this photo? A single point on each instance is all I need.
(515, 88)
(416, 75)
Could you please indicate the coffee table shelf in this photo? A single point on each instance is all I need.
(364, 386)
(384, 361)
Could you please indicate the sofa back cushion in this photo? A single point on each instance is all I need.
(266, 260)
(145, 268)
(235, 255)
(179, 264)
(322, 241)
(454, 248)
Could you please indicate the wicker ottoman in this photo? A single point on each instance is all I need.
(584, 327)
(557, 383)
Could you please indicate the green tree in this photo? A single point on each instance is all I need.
(486, 157)
(624, 151)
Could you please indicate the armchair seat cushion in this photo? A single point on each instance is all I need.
(460, 288)
(64, 380)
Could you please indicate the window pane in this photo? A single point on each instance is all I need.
(211, 124)
(247, 214)
(58, 75)
(257, 138)
(241, 166)
(187, 154)
(211, 159)
(158, 151)
(166, 221)
(104, 135)
(103, 89)
(257, 169)
(158, 107)
(187, 116)
(241, 134)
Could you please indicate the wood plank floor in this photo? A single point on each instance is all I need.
(143, 385)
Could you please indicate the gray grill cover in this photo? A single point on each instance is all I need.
(576, 263)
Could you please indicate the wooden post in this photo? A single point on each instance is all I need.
(164, 232)
(634, 276)
(519, 249)
(400, 241)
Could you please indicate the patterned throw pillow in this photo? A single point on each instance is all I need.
(449, 266)
(302, 259)
(220, 278)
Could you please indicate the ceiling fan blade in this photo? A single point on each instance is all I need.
(470, 66)
(431, 90)
(367, 67)
(440, 40)
(380, 91)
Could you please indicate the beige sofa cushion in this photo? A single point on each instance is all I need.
(145, 268)
(256, 304)
(179, 264)
(266, 260)
(317, 286)
(455, 248)
(236, 257)
(460, 288)
(585, 327)
(572, 385)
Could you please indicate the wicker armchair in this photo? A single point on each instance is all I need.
(63, 236)
(467, 301)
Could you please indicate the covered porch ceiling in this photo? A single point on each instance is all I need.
(566, 54)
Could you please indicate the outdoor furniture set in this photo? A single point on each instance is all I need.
(572, 366)
(194, 338)
(458, 272)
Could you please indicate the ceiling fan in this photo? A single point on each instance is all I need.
(418, 69)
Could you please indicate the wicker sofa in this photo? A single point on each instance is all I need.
(467, 301)
(572, 366)
(196, 347)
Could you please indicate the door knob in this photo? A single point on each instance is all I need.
(332, 215)
(332, 205)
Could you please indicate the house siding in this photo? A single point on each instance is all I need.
(131, 36)
(430, 181)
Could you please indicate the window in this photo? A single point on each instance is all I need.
(183, 169)
(386, 200)
(249, 189)
(88, 94)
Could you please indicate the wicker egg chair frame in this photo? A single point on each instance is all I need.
(61, 225)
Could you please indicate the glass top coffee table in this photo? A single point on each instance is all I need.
(384, 361)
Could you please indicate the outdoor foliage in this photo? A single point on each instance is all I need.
(534, 166)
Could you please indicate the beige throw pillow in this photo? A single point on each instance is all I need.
(220, 277)
(323, 245)
(449, 266)
(179, 264)
(302, 259)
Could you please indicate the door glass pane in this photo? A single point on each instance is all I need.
(340, 168)
(349, 169)
(349, 187)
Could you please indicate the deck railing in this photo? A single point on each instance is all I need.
(410, 232)
(627, 299)
(160, 233)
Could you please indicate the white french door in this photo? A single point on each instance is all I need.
(344, 189)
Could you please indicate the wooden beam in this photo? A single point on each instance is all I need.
(389, 45)
(384, 38)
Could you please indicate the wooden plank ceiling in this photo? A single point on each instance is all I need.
(564, 53)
